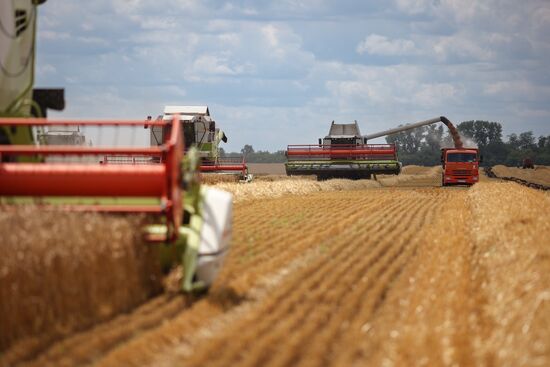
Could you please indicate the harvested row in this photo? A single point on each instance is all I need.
(513, 254)
(299, 320)
(443, 278)
(430, 312)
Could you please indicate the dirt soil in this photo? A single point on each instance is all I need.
(266, 168)
(373, 276)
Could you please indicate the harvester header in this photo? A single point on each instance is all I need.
(91, 178)
(75, 170)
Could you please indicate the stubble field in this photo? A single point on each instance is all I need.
(388, 273)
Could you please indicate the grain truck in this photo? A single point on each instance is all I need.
(460, 166)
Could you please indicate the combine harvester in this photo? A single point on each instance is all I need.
(344, 153)
(200, 130)
(191, 224)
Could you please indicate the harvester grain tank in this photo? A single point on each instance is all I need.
(192, 223)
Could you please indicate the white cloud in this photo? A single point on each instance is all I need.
(212, 65)
(53, 35)
(291, 60)
(414, 6)
(376, 44)
(462, 47)
(46, 69)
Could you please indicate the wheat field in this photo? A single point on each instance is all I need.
(539, 175)
(393, 272)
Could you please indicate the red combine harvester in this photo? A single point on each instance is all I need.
(343, 153)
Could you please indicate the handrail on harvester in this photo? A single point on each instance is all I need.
(344, 151)
(45, 178)
(225, 164)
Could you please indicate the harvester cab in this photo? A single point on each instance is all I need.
(201, 132)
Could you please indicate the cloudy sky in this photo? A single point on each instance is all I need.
(278, 72)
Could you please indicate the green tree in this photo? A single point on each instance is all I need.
(526, 141)
(247, 149)
(482, 132)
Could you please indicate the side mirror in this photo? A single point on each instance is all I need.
(480, 159)
(364, 140)
(320, 141)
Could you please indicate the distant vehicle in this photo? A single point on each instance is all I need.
(460, 166)
(343, 153)
(527, 163)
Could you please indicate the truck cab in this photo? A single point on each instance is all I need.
(460, 166)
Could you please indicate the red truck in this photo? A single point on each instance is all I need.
(460, 166)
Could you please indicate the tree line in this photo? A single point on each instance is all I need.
(260, 156)
(422, 145)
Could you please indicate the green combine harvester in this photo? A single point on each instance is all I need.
(200, 131)
(343, 153)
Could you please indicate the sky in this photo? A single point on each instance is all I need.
(278, 72)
